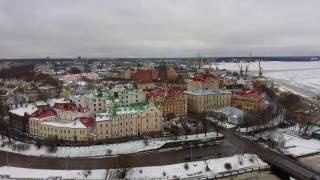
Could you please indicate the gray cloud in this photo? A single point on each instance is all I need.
(153, 28)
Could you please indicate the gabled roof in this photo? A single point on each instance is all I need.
(87, 121)
(44, 114)
(70, 107)
(203, 78)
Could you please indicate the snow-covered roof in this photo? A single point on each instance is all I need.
(40, 103)
(54, 101)
(76, 124)
(27, 108)
(208, 91)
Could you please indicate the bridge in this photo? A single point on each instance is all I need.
(284, 163)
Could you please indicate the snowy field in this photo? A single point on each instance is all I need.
(197, 169)
(15, 172)
(293, 144)
(301, 77)
(102, 150)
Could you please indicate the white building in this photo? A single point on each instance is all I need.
(123, 94)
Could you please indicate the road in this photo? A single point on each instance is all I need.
(152, 158)
(290, 166)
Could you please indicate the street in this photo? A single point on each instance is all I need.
(152, 158)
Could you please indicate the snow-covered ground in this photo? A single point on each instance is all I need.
(301, 77)
(103, 150)
(198, 169)
(16, 172)
(223, 124)
(292, 143)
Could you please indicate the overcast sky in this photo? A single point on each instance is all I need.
(158, 28)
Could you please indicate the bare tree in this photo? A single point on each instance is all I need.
(123, 164)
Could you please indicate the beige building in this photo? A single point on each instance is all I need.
(203, 82)
(133, 120)
(171, 74)
(45, 124)
(173, 102)
(207, 100)
(251, 101)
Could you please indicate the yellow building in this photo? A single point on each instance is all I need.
(46, 125)
(133, 120)
(171, 74)
(174, 103)
(203, 82)
(64, 93)
(207, 100)
(251, 101)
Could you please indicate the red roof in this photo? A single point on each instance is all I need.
(253, 94)
(87, 121)
(204, 78)
(41, 114)
(175, 91)
(156, 93)
(69, 107)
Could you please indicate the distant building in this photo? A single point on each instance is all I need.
(251, 101)
(146, 85)
(171, 74)
(157, 96)
(203, 82)
(207, 100)
(133, 120)
(47, 92)
(144, 75)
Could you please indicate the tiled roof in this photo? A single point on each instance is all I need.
(69, 107)
(44, 114)
(204, 78)
(87, 121)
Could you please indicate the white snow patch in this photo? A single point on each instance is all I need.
(197, 169)
(107, 149)
(17, 172)
(293, 144)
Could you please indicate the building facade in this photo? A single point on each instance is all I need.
(134, 120)
(144, 75)
(251, 101)
(203, 82)
(123, 94)
(46, 124)
(171, 74)
(207, 100)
